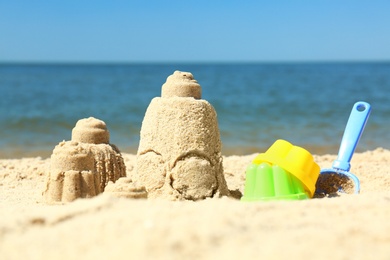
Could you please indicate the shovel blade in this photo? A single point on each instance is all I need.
(330, 182)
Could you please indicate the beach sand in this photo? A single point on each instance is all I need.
(105, 227)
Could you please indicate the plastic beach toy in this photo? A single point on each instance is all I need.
(338, 178)
(266, 182)
(284, 171)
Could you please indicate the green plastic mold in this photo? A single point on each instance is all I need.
(271, 182)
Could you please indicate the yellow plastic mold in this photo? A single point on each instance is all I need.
(294, 159)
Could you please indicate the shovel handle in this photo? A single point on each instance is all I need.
(353, 131)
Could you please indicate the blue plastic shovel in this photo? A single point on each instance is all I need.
(338, 178)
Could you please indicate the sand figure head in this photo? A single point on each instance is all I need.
(91, 130)
(181, 84)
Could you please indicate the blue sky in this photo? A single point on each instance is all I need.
(193, 31)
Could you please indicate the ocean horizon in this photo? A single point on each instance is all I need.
(305, 103)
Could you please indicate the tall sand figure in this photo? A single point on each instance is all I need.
(179, 155)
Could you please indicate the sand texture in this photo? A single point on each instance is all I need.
(82, 167)
(114, 227)
(179, 155)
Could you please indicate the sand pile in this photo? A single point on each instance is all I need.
(82, 167)
(179, 155)
(125, 188)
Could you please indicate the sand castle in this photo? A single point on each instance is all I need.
(179, 155)
(82, 167)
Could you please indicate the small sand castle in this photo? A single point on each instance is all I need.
(126, 188)
(82, 167)
(179, 155)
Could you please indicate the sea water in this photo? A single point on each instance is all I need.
(307, 104)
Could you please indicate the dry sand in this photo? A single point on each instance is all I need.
(179, 154)
(104, 227)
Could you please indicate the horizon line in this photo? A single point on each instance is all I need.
(189, 62)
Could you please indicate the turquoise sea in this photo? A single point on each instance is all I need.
(307, 104)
